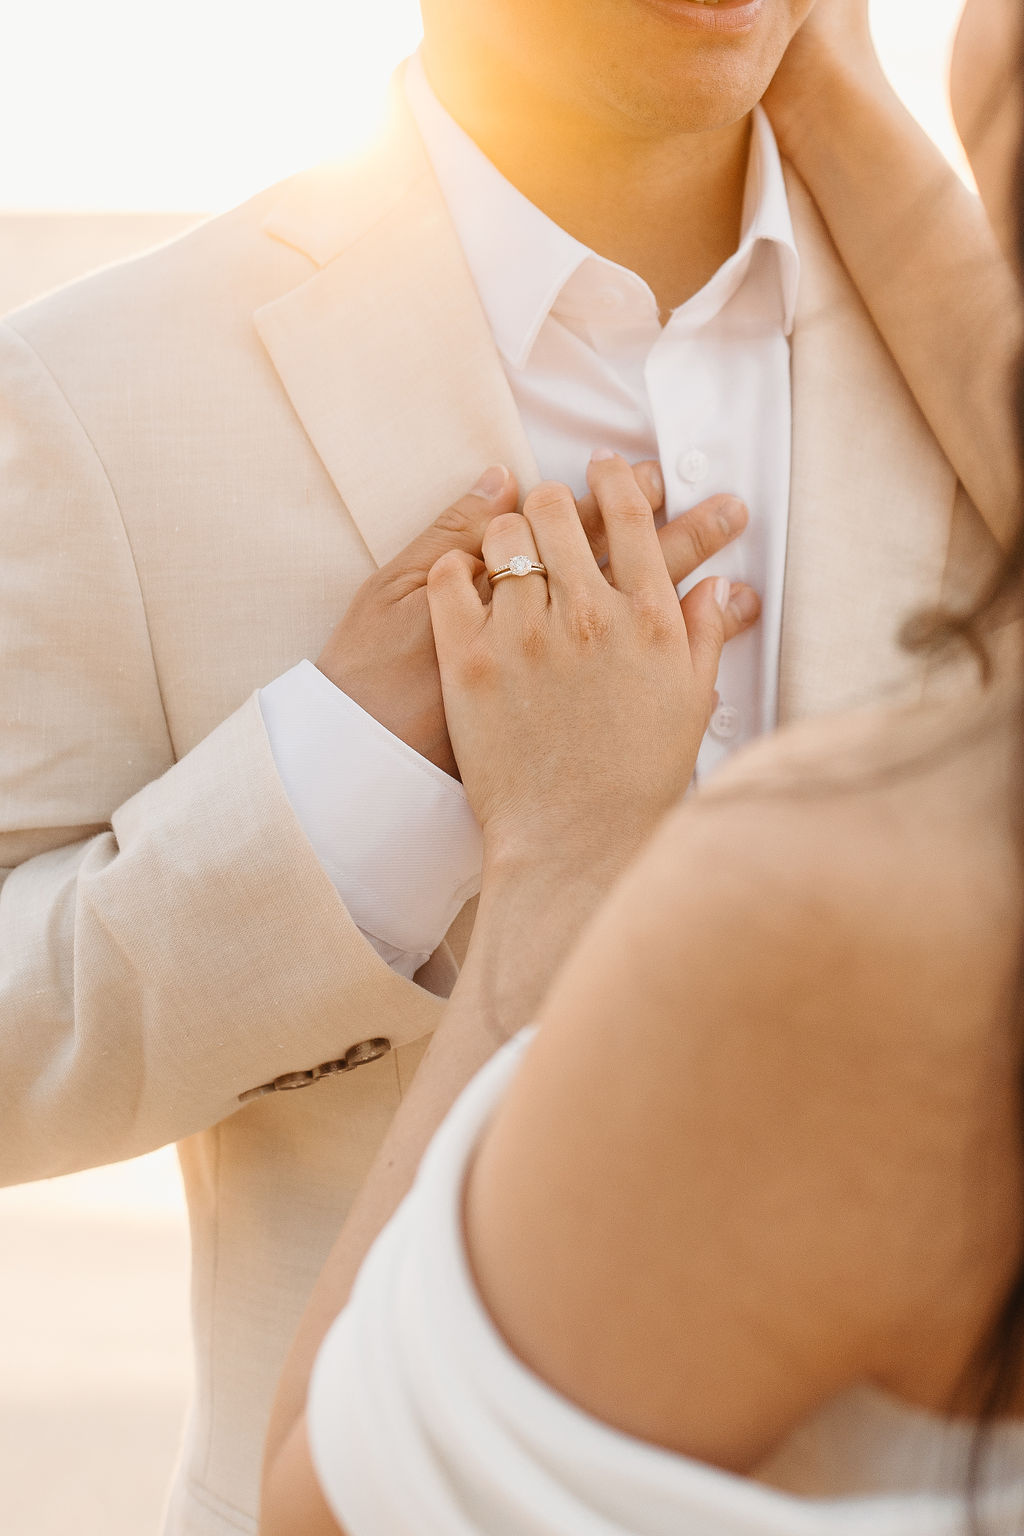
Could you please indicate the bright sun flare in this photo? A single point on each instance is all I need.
(195, 104)
(200, 103)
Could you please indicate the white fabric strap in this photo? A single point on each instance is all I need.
(422, 1422)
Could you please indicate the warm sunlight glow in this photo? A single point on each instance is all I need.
(198, 104)
(195, 104)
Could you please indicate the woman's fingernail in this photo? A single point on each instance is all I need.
(657, 481)
(721, 592)
(491, 483)
(600, 454)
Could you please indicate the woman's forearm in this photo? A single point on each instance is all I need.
(571, 748)
(530, 914)
(923, 255)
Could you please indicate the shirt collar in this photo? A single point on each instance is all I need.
(521, 260)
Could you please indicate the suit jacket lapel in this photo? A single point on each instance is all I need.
(386, 353)
(871, 500)
(390, 365)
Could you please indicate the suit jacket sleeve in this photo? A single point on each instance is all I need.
(167, 937)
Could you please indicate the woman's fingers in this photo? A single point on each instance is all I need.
(457, 610)
(694, 537)
(560, 536)
(715, 612)
(649, 478)
(634, 552)
(505, 538)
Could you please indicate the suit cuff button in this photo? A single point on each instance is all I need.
(356, 1056)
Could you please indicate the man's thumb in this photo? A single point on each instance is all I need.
(461, 526)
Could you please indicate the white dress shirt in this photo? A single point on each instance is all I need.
(589, 365)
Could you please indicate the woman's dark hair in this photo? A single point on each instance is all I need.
(996, 1373)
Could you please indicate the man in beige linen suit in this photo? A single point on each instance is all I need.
(204, 455)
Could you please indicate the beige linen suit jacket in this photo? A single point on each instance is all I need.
(203, 454)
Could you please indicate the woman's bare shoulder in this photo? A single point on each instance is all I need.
(875, 809)
(880, 747)
(758, 1093)
(879, 848)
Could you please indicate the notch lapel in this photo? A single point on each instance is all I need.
(385, 352)
(871, 498)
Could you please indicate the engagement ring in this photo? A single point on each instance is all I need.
(519, 565)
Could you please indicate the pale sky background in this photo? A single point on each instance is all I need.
(199, 103)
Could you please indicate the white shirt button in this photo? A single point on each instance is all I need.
(693, 466)
(725, 722)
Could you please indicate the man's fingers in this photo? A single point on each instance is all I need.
(689, 540)
(652, 482)
(460, 526)
(715, 612)
(742, 610)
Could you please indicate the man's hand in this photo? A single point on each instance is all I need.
(382, 652)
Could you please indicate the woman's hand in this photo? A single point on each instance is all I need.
(576, 705)
(833, 44)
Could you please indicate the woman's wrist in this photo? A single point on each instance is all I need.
(561, 848)
(533, 907)
(820, 115)
(523, 881)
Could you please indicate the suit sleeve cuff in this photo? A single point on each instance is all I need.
(394, 834)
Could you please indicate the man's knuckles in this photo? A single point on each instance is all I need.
(460, 526)
(463, 523)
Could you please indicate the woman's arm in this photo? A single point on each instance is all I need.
(916, 242)
(576, 710)
(764, 1144)
(531, 911)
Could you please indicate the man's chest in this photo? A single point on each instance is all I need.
(713, 407)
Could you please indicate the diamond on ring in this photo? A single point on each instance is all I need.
(519, 565)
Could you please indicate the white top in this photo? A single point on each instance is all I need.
(589, 365)
(422, 1422)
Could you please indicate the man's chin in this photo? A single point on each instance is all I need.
(696, 107)
(689, 80)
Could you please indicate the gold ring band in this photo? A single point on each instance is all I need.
(519, 565)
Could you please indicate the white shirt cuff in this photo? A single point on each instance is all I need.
(394, 834)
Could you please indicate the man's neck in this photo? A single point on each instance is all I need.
(668, 208)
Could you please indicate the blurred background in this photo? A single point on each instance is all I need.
(123, 122)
